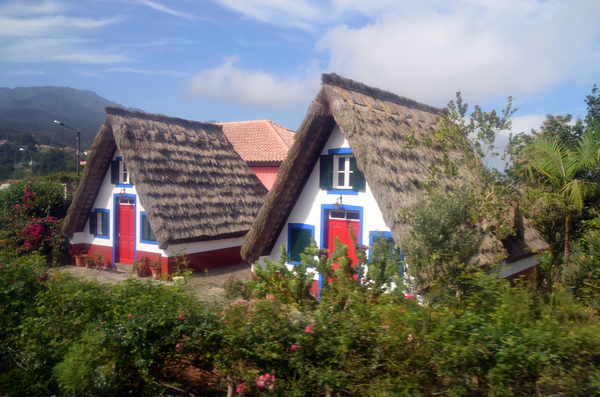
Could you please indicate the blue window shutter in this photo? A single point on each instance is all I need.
(357, 178)
(326, 172)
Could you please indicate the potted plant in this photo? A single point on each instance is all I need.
(80, 258)
(155, 267)
(140, 267)
(99, 260)
(90, 262)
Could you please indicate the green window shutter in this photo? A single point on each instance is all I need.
(326, 175)
(147, 233)
(114, 172)
(357, 178)
(299, 240)
(105, 223)
(93, 223)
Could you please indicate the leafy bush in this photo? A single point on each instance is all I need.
(31, 219)
(63, 336)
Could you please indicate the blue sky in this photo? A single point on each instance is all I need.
(231, 60)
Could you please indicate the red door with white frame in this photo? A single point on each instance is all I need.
(126, 230)
(338, 225)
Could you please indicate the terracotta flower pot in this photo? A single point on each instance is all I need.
(79, 260)
(156, 272)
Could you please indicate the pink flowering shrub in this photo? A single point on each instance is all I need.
(32, 219)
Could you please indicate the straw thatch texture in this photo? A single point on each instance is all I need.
(385, 132)
(192, 183)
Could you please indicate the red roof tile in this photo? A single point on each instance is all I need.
(259, 141)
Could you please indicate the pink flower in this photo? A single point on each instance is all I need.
(408, 296)
(182, 315)
(240, 388)
(308, 328)
(178, 345)
(130, 315)
(293, 347)
(42, 278)
(260, 383)
(267, 376)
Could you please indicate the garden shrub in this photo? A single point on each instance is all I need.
(31, 219)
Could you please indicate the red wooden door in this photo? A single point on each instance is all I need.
(341, 228)
(338, 225)
(126, 231)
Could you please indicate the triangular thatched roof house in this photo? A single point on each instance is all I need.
(157, 185)
(368, 134)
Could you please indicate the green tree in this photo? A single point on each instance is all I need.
(566, 170)
(446, 234)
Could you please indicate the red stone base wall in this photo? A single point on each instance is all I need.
(198, 262)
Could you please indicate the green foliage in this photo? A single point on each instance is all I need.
(446, 233)
(560, 161)
(136, 338)
(289, 284)
(64, 336)
(582, 276)
(31, 219)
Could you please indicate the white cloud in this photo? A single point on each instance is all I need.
(167, 10)
(300, 13)
(428, 50)
(39, 32)
(55, 50)
(481, 50)
(11, 26)
(147, 72)
(230, 84)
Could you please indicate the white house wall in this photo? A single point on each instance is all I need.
(203, 246)
(308, 209)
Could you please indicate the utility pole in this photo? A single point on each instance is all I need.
(78, 141)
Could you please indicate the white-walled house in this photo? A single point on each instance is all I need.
(354, 163)
(157, 187)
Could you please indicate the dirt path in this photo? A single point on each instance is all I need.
(210, 283)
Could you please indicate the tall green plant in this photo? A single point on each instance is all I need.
(446, 233)
(563, 169)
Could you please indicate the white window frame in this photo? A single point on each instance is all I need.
(123, 174)
(346, 172)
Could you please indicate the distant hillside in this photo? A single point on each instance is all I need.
(27, 114)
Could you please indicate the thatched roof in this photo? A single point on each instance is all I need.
(381, 128)
(193, 185)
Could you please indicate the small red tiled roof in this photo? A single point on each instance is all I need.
(259, 141)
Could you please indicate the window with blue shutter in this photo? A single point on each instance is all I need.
(299, 237)
(119, 174)
(147, 235)
(99, 223)
(339, 174)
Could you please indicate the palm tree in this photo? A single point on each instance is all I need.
(568, 171)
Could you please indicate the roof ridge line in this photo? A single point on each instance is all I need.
(351, 85)
(112, 110)
(279, 137)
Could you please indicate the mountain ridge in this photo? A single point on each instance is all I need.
(31, 111)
